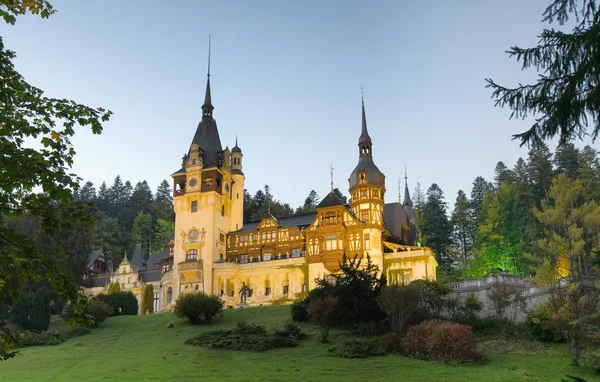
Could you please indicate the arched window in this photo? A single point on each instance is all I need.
(169, 295)
(192, 255)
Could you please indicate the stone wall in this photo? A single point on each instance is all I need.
(482, 288)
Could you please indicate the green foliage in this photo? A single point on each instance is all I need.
(300, 310)
(390, 342)
(143, 229)
(436, 228)
(114, 287)
(564, 99)
(245, 337)
(325, 312)
(198, 307)
(569, 250)
(57, 333)
(441, 341)
(291, 330)
(400, 304)
(32, 311)
(590, 359)
(148, 300)
(359, 348)
(539, 327)
(122, 303)
(99, 311)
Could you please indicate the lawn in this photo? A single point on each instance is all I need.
(142, 348)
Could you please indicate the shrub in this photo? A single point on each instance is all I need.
(538, 325)
(32, 311)
(148, 299)
(300, 311)
(198, 307)
(114, 288)
(245, 337)
(123, 303)
(399, 303)
(359, 348)
(442, 341)
(390, 342)
(325, 312)
(590, 359)
(99, 311)
(291, 330)
(170, 324)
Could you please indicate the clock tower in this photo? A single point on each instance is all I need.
(208, 202)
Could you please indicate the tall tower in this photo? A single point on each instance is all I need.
(203, 205)
(367, 189)
(237, 189)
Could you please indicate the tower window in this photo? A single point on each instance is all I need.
(364, 215)
(222, 210)
(192, 255)
(367, 242)
(362, 177)
(331, 242)
(194, 206)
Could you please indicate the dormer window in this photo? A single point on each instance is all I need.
(362, 178)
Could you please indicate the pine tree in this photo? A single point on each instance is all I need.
(539, 169)
(463, 226)
(143, 229)
(437, 230)
(164, 202)
(565, 99)
(40, 311)
(480, 188)
(566, 160)
(104, 199)
(502, 174)
(418, 196)
(87, 193)
(162, 234)
(589, 170)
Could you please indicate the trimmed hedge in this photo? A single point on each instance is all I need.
(123, 303)
(198, 307)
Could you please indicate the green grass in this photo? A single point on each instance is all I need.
(133, 348)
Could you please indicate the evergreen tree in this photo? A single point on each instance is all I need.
(565, 99)
(340, 195)
(463, 226)
(104, 199)
(589, 169)
(148, 299)
(87, 193)
(164, 232)
(310, 203)
(502, 174)
(418, 196)
(566, 160)
(118, 198)
(164, 202)
(539, 169)
(437, 229)
(480, 188)
(143, 230)
(39, 311)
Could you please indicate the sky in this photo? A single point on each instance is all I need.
(286, 79)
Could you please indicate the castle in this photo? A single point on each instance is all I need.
(277, 258)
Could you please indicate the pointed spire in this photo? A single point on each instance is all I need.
(331, 173)
(365, 144)
(208, 108)
(399, 191)
(407, 201)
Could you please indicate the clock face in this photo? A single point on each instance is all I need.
(193, 234)
(193, 182)
(226, 187)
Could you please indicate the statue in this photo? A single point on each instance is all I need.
(243, 293)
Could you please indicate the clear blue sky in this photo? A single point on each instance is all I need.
(286, 78)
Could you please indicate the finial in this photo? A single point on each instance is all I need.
(209, 55)
(362, 95)
(405, 173)
(236, 139)
(331, 168)
(399, 190)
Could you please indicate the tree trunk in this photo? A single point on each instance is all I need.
(575, 351)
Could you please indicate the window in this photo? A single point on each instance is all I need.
(363, 194)
(375, 193)
(286, 289)
(238, 195)
(362, 177)
(156, 303)
(364, 215)
(367, 242)
(254, 237)
(331, 242)
(194, 206)
(222, 210)
(196, 286)
(221, 256)
(243, 258)
(295, 252)
(406, 279)
(267, 287)
(169, 295)
(267, 256)
(329, 219)
(192, 255)
(222, 238)
(264, 235)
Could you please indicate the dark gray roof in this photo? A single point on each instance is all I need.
(331, 200)
(100, 280)
(366, 164)
(364, 134)
(236, 171)
(155, 258)
(292, 221)
(94, 256)
(207, 137)
(151, 275)
(236, 148)
(407, 201)
(395, 215)
(137, 260)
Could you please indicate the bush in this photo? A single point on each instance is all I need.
(390, 342)
(123, 303)
(590, 359)
(99, 311)
(400, 304)
(57, 333)
(442, 341)
(245, 337)
(114, 288)
(291, 330)
(198, 307)
(325, 312)
(538, 325)
(300, 311)
(359, 348)
(32, 311)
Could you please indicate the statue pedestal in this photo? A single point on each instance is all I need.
(242, 305)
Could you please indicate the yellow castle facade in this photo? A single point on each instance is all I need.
(214, 251)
